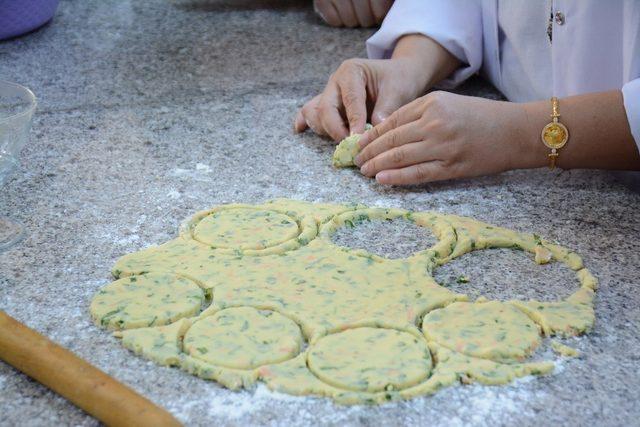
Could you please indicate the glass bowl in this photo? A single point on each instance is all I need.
(17, 104)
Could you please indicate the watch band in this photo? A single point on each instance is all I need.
(554, 135)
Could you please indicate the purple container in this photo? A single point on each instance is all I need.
(21, 16)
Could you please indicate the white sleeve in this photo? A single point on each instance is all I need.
(454, 24)
(631, 96)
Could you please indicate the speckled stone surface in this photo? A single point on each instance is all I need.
(398, 238)
(150, 111)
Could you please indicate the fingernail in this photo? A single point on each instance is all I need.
(380, 177)
(364, 170)
(380, 117)
(357, 160)
(362, 142)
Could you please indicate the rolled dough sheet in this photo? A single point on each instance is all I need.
(252, 293)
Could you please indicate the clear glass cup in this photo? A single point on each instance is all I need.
(17, 104)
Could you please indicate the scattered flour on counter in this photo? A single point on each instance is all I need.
(487, 405)
(559, 366)
(173, 194)
(203, 167)
(239, 404)
(201, 173)
(124, 241)
(478, 405)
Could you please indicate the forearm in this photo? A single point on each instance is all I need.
(433, 62)
(599, 134)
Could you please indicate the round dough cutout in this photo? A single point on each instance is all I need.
(152, 299)
(243, 338)
(245, 228)
(489, 330)
(370, 359)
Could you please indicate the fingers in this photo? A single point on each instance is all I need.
(299, 124)
(322, 115)
(327, 12)
(353, 90)
(396, 158)
(347, 14)
(352, 13)
(328, 113)
(309, 117)
(344, 95)
(389, 100)
(379, 8)
(405, 134)
(415, 174)
(363, 13)
(406, 114)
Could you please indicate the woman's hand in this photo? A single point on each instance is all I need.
(445, 136)
(374, 88)
(352, 13)
(355, 87)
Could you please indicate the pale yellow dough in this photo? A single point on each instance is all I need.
(243, 338)
(237, 228)
(387, 359)
(290, 308)
(347, 150)
(564, 350)
(146, 300)
(488, 330)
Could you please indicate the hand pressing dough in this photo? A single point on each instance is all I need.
(347, 150)
(305, 316)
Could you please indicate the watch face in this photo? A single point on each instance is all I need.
(555, 135)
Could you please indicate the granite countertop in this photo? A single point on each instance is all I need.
(150, 111)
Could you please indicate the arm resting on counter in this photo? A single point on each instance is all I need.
(599, 134)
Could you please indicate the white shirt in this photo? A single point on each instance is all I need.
(595, 45)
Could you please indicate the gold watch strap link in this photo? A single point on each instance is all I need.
(554, 135)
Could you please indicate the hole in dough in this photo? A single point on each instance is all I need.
(395, 238)
(506, 274)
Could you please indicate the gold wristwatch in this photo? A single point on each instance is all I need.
(554, 135)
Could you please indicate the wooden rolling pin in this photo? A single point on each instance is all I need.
(100, 395)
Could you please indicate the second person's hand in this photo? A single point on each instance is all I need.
(352, 13)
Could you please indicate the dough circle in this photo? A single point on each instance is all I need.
(245, 228)
(489, 330)
(152, 299)
(370, 359)
(243, 338)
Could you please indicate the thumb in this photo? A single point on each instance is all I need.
(389, 100)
